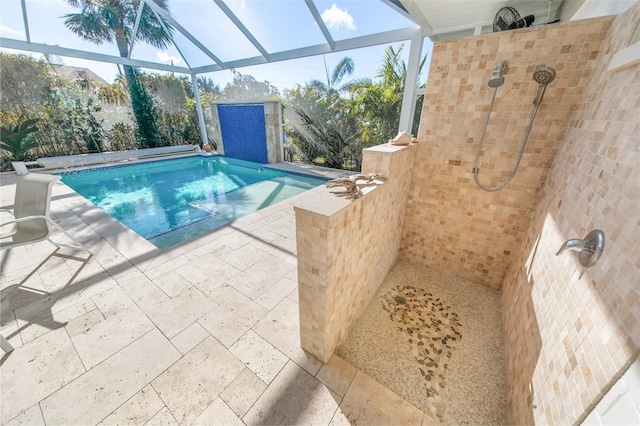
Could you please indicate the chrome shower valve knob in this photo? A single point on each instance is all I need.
(589, 249)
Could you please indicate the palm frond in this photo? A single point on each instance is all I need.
(357, 85)
(88, 26)
(111, 21)
(392, 64)
(344, 67)
(151, 30)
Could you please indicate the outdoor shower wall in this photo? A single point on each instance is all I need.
(568, 339)
(451, 224)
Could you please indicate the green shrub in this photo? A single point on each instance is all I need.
(17, 139)
(121, 137)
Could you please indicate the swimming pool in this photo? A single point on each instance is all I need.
(170, 201)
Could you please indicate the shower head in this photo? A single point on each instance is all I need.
(497, 79)
(544, 75)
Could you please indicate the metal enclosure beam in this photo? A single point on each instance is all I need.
(135, 28)
(166, 30)
(201, 121)
(25, 20)
(183, 31)
(386, 37)
(242, 28)
(82, 54)
(399, 9)
(316, 15)
(411, 79)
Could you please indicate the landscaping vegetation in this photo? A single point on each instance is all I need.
(330, 123)
(45, 112)
(49, 110)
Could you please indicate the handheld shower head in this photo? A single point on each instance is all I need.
(497, 79)
(544, 75)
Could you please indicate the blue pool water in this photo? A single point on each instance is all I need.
(171, 201)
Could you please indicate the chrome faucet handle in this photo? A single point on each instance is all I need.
(575, 244)
(590, 248)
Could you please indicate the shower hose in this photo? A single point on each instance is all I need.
(476, 169)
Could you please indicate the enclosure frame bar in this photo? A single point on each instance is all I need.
(201, 120)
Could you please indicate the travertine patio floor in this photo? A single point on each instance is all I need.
(204, 333)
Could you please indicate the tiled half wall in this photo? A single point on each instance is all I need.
(451, 224)
(346, 247)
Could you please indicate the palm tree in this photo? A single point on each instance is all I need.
(317, 118)
(317, 135)
(207, 85)
(380, 101)
(343, 68)
(113, 21)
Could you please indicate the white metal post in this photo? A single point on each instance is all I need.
(409, 96)
(281, 131)
(196, 93)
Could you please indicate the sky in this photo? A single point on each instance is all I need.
(277, 24)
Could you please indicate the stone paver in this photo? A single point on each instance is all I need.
(204, 333)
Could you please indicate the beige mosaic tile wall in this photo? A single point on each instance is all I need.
(570, 338)
(451, 224)
(346, 248)
(273, 130)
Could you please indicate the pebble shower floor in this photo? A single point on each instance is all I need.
(436, 341)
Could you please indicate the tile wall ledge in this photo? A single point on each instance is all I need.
(388, 149)
(331, 201)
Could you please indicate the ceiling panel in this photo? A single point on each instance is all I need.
(46, 25)
(11, 20)
(262, 18)
(447, 19)
(211, 27)
(347, 19)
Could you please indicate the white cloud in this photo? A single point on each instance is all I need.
(338, 19)
(11, 31)
(166, 58)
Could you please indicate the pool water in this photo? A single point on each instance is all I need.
(171, 201)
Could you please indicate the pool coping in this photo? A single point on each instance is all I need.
(302, 169)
